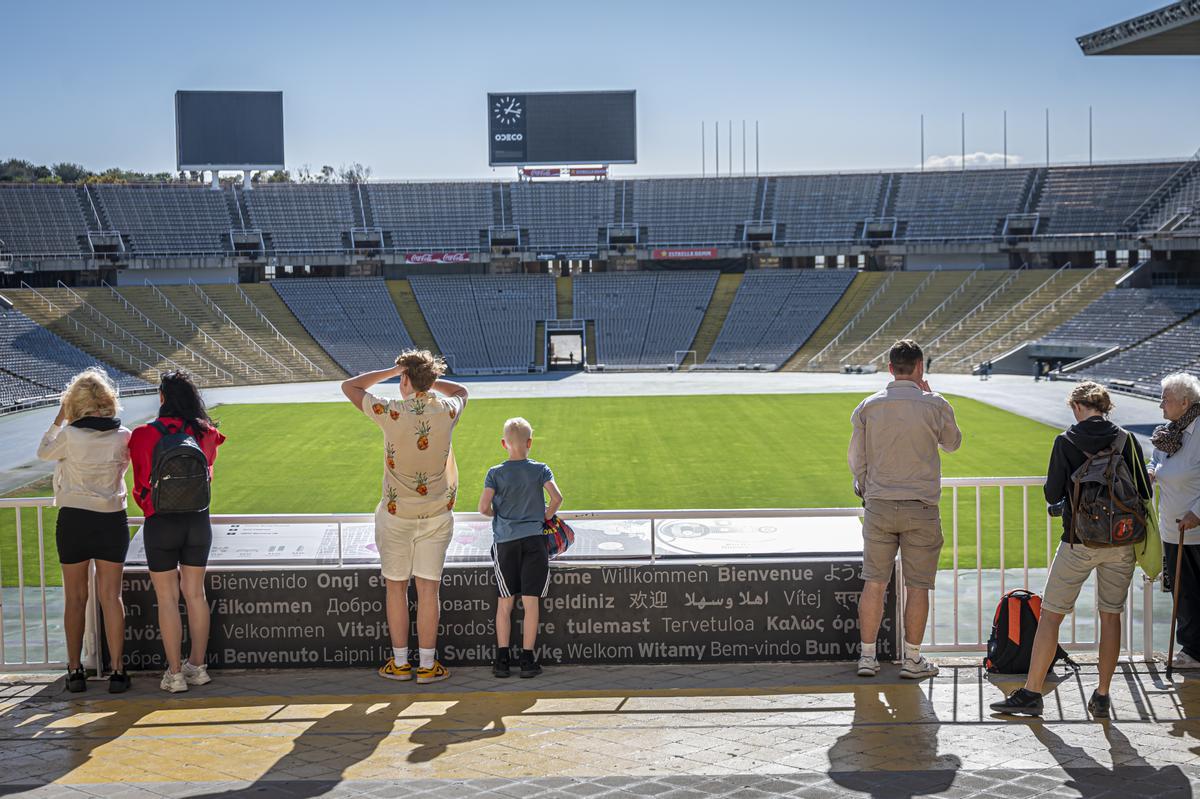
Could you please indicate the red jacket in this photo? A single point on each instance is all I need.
(141, 456)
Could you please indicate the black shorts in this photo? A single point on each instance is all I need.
(83, 535)
(174, 539)
(522, 566)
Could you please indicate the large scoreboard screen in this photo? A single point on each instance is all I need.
(555, 128)
(228, 130)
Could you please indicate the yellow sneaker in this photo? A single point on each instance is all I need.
(437, 673)
(390, 671)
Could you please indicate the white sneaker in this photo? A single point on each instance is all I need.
(918, 669)
(868, 666)
(173, 682)
(1183, 660)
(195, 675)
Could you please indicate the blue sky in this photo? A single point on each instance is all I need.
(400, 86)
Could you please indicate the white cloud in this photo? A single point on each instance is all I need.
(976, 159)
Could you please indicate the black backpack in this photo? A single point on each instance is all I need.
(179, 481)
(1013, 628)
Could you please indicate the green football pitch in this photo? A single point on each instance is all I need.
(731, 451)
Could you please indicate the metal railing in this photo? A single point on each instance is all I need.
(969, 610)
(242, 334)
(262, 317)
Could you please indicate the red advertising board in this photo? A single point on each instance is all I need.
(589, 172)
(684, 252)
(437, 258)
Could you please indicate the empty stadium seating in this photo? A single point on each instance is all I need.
(432, 215)
(304, 218)
(354, 319)
(36, 363)
(970, 203)
(167, 219)
(693, 210)
(485, 323)
(41, 220)
(1175, 349)
(1126, 316)
(563, 217)
(1084, 199)
(822, 207)
(774, 313)
(643, 318)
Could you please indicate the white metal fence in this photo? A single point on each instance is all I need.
(961, 605)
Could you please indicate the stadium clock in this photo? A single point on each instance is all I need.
(507, 110)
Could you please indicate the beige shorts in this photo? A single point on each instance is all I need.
(1073, 564)
(412, 547)
(908, 525)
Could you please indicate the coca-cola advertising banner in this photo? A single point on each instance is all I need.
(437, 258)
(686, 253)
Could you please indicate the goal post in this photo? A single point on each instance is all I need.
(682, 362)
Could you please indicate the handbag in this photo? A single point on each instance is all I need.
(1149, 552)
(558, 536)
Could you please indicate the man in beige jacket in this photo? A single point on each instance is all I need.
(898, 473)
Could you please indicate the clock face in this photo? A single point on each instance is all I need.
(507, 110)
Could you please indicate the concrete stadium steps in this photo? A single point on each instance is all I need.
(267, 299)
(865, 284)
(897, 287)
(1033, 304)
(273, 366)
(211, 339)
(926, 296)
(412, 316)
(714, 315)
(232, 300)
(119, 330)
(564, 297)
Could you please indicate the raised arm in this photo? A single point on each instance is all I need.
(53, 445)
(356, 387)
(451, 389)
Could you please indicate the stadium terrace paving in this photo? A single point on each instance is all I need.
(1043, 401)
(810, 730)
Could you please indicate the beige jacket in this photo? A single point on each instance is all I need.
(89, 468)
(894, 443)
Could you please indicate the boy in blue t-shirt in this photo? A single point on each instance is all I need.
(512, 496)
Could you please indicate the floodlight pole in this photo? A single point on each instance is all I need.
(703, 151)
(922, 142)
(1006, 139)
(756, 148)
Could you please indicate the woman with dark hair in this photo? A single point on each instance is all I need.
(172, 459)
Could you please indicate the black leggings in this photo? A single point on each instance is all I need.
(1187, 627)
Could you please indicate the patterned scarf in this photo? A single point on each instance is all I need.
(1169, 437)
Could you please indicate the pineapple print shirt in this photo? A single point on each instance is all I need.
(420, 477)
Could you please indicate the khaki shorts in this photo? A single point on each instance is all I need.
(1073, 564)
(908, 525)
(412, 547)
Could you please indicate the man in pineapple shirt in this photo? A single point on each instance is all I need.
(414, 521)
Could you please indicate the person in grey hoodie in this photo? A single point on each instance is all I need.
(90, 450)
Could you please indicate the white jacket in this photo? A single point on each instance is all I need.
(90, 468)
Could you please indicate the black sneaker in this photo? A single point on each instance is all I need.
(1099, 705)
(529, 666)
(500, 667)
(119, 682)
(76, 681)
(1020, 703)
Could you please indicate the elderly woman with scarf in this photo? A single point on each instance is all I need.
(1175, 466)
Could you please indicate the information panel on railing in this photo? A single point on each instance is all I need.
(718, 590)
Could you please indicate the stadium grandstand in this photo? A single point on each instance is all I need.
(1085, 267)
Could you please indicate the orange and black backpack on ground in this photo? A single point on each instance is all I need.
(1013, 628)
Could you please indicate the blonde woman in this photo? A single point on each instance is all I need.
(90, 449)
